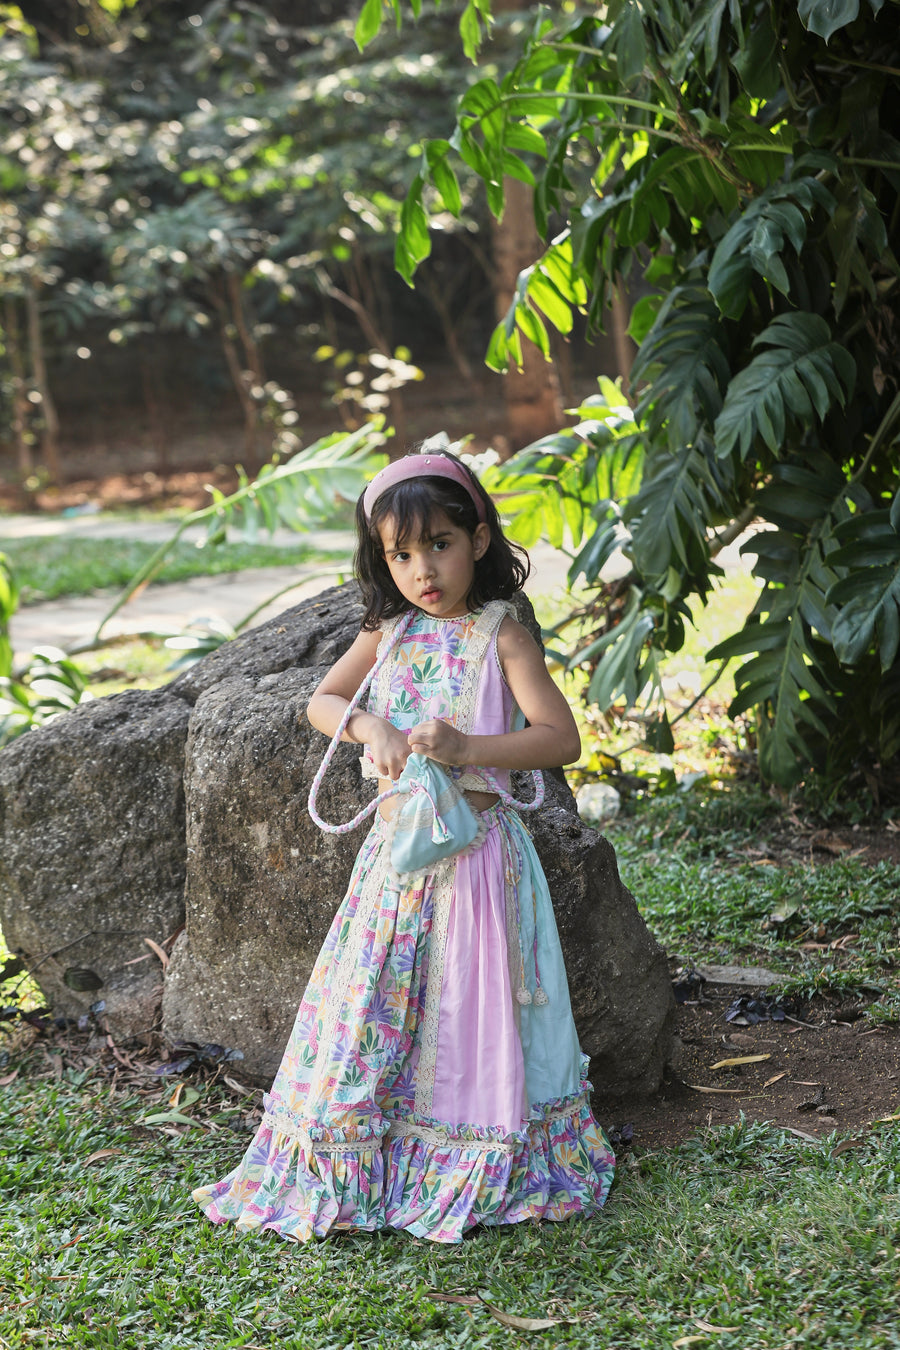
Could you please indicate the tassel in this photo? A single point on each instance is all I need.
(540, 997)
(523, 996)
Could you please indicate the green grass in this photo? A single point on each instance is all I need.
(697, 862)
(60, 566)
(744, 1227)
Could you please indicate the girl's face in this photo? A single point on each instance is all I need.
(435, 572)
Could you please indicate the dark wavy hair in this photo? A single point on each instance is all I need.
(414, 506)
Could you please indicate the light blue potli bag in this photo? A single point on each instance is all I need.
(435, 822)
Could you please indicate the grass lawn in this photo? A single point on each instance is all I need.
(746, 1237)
(57, 566)
(743, 1238)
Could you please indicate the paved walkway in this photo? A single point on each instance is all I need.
(230, 596)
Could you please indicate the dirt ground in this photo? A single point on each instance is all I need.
(828, 1069)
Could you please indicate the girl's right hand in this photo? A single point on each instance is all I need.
(390, 749)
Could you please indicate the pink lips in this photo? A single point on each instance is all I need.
(431, 596)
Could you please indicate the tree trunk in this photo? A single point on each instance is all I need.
(624, 345)
(227, 331)
(252, 354)
(533, 405)
(50, 434)
(20, 405)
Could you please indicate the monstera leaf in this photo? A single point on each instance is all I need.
(869, 597)
(801, 374)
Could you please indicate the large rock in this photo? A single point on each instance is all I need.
(92, 851)
(97, 853)
(263, 882)
(92, 842)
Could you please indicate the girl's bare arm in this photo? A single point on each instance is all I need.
(390, 748)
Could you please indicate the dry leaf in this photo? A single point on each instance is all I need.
(467, 1300)
(708, 1326)
(10, 1078)
(800, 1082)
(157, 949)
(522, 1323)
(776, 1077)
(100, 1153)
(720, 1092)
(801, 1134)
(686, 1340)
(740, 1059)
(883, 1120)
(846, 1145)
(238, 1087)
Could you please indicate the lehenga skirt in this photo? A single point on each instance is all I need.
(433, 1079)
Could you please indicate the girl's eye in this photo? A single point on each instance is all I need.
(400, 557)
(440, 544)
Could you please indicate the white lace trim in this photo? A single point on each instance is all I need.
(282, 1123)
(442, 899)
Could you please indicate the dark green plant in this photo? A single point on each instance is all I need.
(738, 165)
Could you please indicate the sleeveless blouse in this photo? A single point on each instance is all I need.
(447, 669)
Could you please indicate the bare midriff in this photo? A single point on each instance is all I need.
(479, 801)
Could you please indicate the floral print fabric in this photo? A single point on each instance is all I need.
(350, 1137)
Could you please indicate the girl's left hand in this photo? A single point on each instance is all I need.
(440, 741)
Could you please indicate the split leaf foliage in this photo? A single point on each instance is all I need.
(736, 166)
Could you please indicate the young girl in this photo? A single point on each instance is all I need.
(433, 1079)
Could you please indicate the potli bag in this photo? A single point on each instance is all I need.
(436, 821)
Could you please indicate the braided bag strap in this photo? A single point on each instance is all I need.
(373, 805)
(508, 800)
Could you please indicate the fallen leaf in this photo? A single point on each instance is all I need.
(467, 1300)
(776, 1077)
(101, 1153)
(170, 1118)
(801, 1134)
(739, 1059)
(708, 1326)
(157, 949)
(883, 1120)
(10, 1078)
(687, 1340)
(722, 1092)
(801, 1082)
(522, 1323)
(238, 1087)
(846, 1144)
(757, 976)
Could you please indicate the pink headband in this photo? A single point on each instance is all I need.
(420, 466)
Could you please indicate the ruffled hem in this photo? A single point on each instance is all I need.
(417, 1177)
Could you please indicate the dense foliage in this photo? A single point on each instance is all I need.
(229, 173)
(735, 164)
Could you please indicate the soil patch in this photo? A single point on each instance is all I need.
(829, 1069)
(185, 490)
